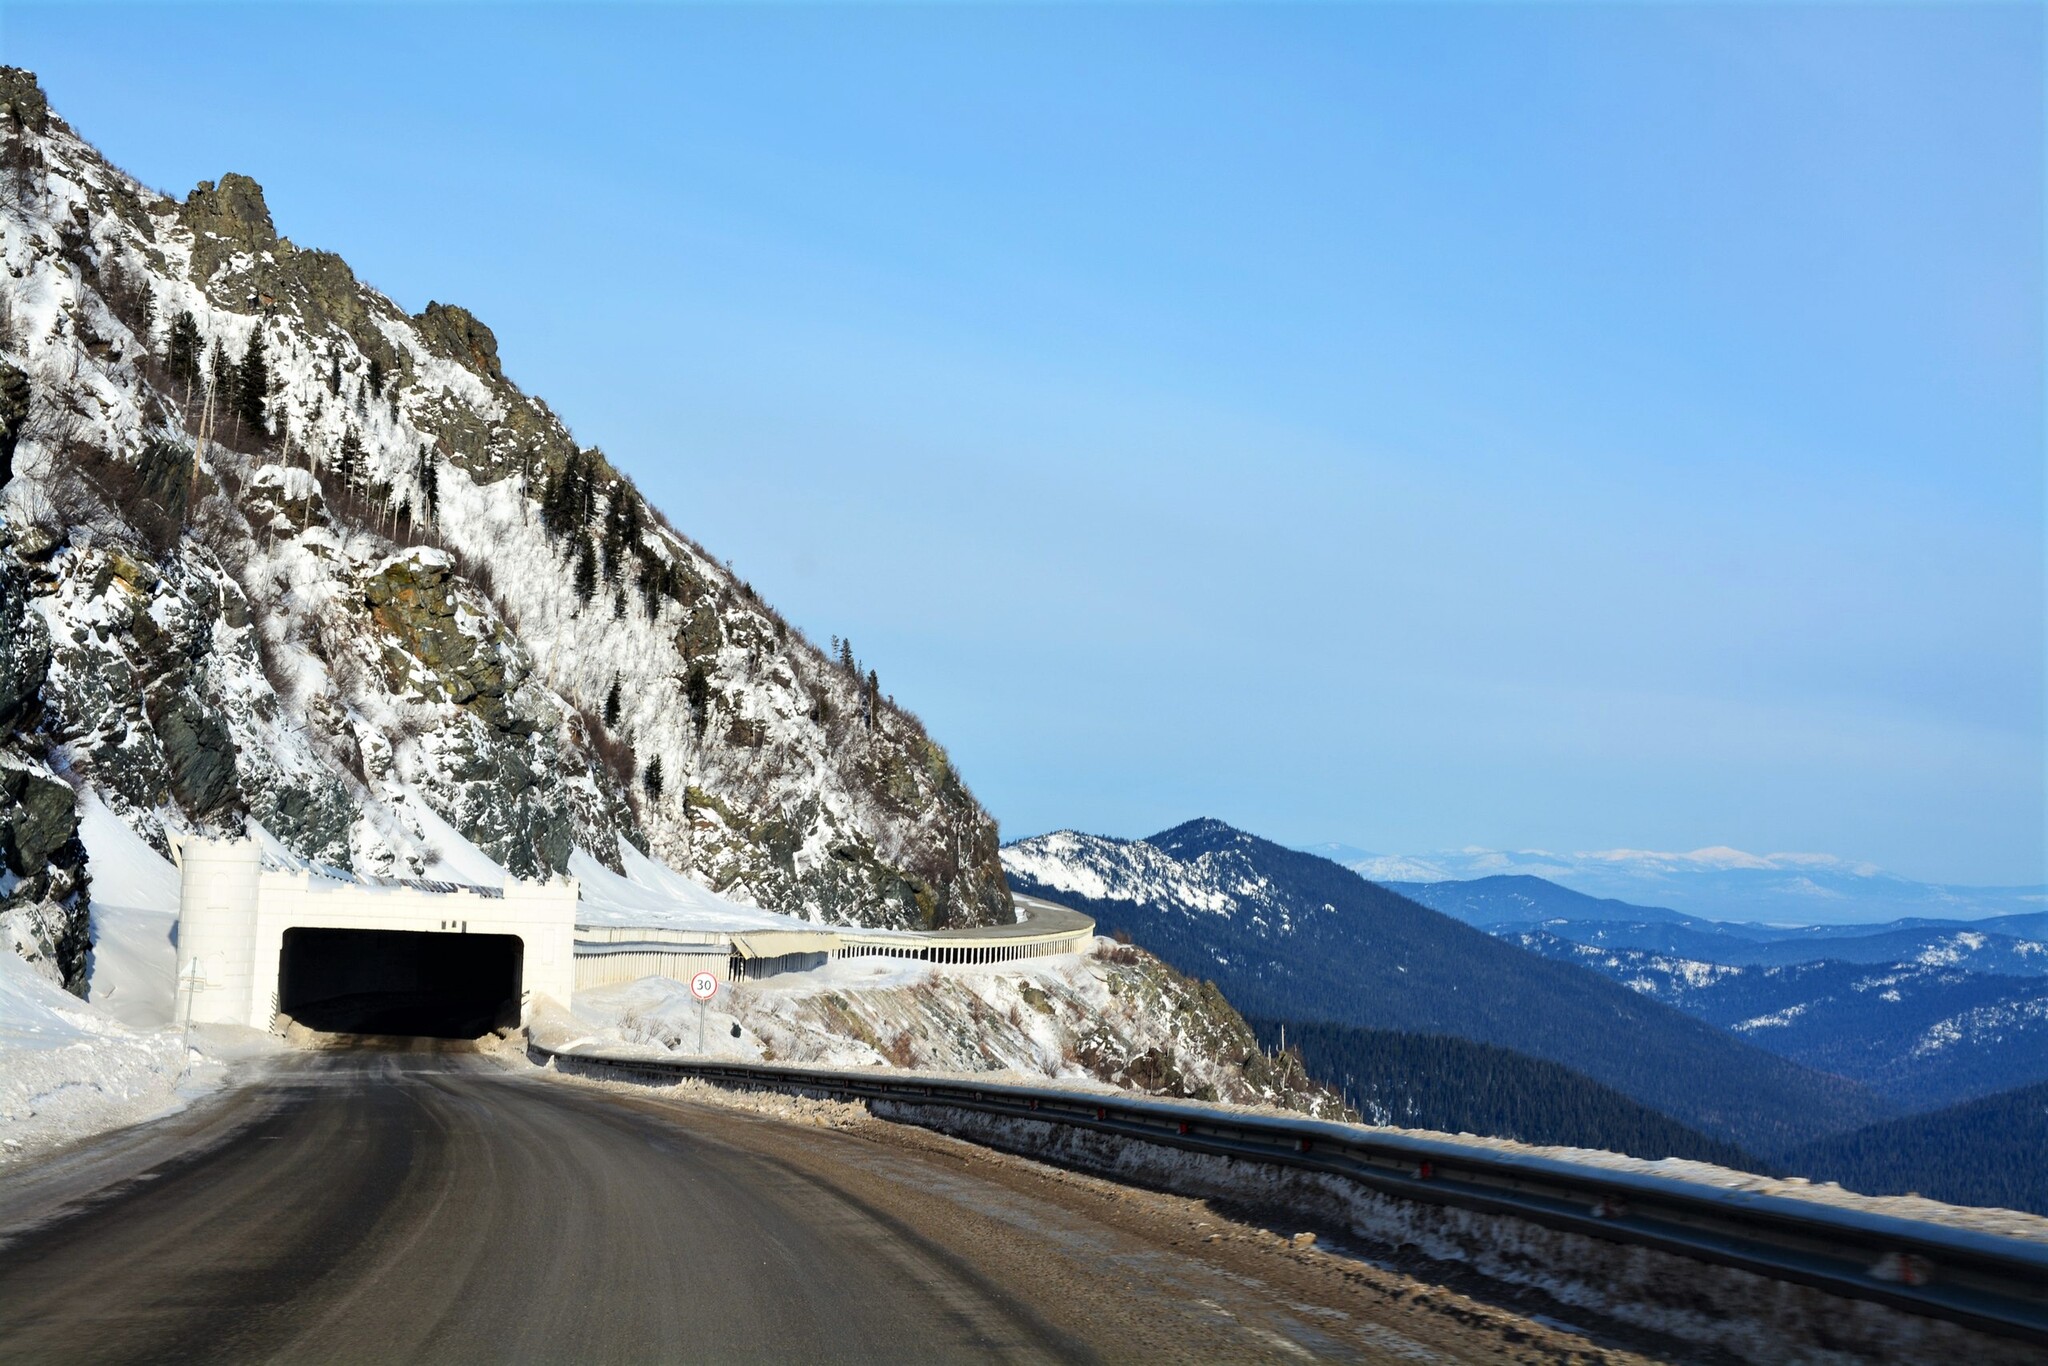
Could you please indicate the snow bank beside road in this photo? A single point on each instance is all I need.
(69, 1070)
(72, 1068)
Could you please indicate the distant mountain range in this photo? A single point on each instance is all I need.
(1926, 1012)
(1922, 1034)
(1292, 936)
(2013, 944)
(1713, 884)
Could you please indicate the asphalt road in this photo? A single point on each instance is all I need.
(374, 1206)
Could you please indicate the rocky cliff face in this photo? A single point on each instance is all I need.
(363, 590)
(43, 882)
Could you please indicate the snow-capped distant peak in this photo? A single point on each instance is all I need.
(1400, 868)
(1099, 868)
(1721, 857)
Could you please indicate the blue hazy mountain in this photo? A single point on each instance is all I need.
(1713, 884)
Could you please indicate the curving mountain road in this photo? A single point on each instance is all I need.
(436, 1206)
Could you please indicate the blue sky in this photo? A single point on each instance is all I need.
(1416, 426)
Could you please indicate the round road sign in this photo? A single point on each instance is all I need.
(704, 985)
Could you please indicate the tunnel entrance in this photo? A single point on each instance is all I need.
(445, 986)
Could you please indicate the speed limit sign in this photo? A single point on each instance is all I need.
(704, 985)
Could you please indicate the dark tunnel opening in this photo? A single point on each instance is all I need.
(444, 986)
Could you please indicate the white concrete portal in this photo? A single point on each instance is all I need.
(234, 915)
(255, 939)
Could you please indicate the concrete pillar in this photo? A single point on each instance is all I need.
(217, 929)
(545, 916)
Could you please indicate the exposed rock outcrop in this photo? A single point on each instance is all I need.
(14, 401)
(443, 643)
(43, 913)
(454, 332)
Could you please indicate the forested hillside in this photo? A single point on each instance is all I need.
(1436, 1081)
(1991, 1151)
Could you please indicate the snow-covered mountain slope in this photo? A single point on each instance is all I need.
(1922, 1033)
(1716, 883)
(273, 550)
(1116, 1015)
(1219, 882)
(1289, 936)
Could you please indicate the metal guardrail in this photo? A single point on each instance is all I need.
(1046, 929)
(1980, 1280)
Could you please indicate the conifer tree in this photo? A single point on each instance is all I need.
(349, 463)
(697, 692)
(586, 504)
(334, 376)
(565, 505)
(550, 501)
(252, 387)
(652, 779)
(564, 498)
(646, 582)
(621, 529)
(874, 697)
(430, 486)
(376, 377)
(182, 352)
(223, 378)
(586, 571)
(611, 704)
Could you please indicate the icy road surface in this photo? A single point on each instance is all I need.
(443, 1206)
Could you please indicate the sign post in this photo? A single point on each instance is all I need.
(703, 986)
(195, 978)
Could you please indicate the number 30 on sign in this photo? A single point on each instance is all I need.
(704, 985)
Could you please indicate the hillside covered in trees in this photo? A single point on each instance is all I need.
(1436, 1081)
(1991, 1151)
